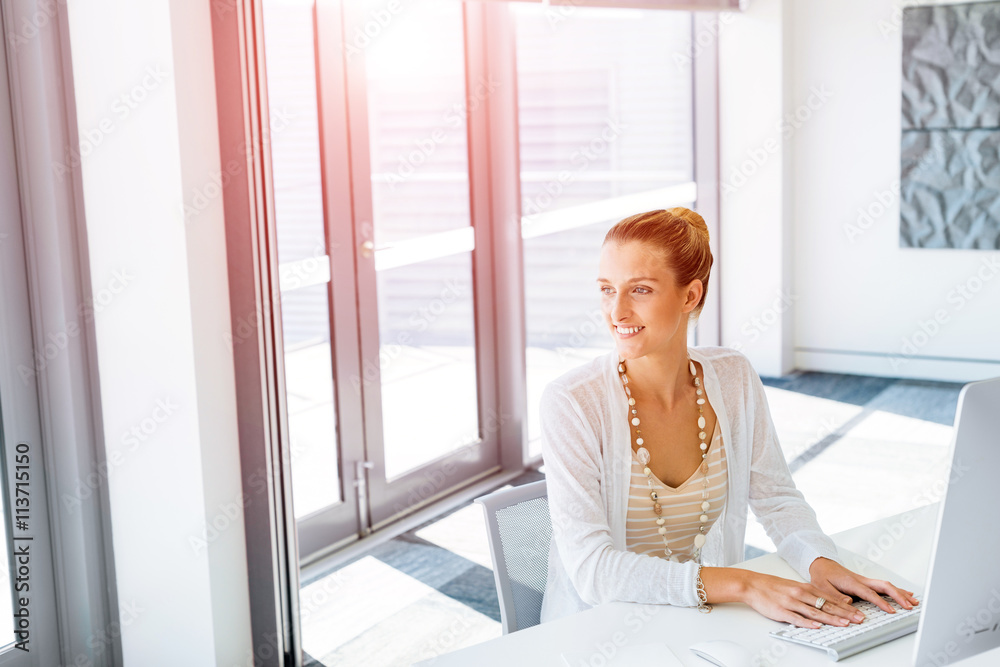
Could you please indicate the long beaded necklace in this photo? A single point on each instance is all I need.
(643, 455)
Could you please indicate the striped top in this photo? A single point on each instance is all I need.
(681, 506)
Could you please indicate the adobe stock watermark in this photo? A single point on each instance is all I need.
(985, 620)
(138, 433)
(447, 640)
(753, 328)
(104, 639)
(56, 342)
(582, 157)
(420, 320)
(202, 197)
(771, 654)
(443, 476)
(424, 148)
(786, 126)
(31, 26)
(261, 652)
(311, 270)
(123, 106)
(895, 531)
(247, 326)
(707, 35)
(229, 513)
(959, 296)
(581, 333)
(376, 23)
(895, 22)
(559, 13)
(882, 200)
(315, 596)
(603, 651)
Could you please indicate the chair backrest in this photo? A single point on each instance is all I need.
(520, 532)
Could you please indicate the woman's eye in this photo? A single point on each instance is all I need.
(604, 290)
(642, 290)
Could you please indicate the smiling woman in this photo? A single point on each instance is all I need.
(651, 265)
(648, 454)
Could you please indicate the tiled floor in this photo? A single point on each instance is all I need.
(860, 449)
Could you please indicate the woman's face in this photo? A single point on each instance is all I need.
(642, 304)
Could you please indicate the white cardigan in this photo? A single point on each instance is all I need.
(586, 443)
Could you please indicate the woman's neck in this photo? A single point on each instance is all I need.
(661, 379)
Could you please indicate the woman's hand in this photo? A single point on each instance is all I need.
(834, 580)
(793, 602)
(779, 599)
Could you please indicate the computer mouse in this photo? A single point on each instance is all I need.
(723, 653)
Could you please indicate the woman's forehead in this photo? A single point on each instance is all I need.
(635, 254)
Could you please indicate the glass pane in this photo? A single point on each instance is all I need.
(298, 203)
(603, 98)
(309, 395)
(420, 197)
(417, 122)
(604, 101)
(427, 357)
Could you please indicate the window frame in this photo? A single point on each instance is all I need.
(85, 612)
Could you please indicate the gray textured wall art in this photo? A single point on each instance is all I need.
(950, 175)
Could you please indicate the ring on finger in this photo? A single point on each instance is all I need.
(820, 602)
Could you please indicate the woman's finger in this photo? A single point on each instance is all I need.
(832, 612)
(825, 617)
(895, 593)
(866, 592)
(800, 621)
(832, 593)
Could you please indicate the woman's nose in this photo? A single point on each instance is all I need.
(619, 309)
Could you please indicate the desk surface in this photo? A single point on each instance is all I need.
(901, 543)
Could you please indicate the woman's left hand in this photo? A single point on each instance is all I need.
(838, 582)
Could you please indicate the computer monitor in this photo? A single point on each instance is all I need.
(961, 615)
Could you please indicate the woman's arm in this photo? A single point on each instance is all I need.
(791, 523)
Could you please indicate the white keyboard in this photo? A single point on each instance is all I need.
(842, 641)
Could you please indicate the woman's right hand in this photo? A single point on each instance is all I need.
(794, 602)
(777, 598)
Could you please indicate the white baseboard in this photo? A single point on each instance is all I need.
(895, 365)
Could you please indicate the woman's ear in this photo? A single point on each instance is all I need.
(694, 291)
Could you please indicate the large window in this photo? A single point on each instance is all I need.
(605, 123)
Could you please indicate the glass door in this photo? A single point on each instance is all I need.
(422, 338)
(316, 290)
(386, 331)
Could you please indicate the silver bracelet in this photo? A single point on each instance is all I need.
(703, 605)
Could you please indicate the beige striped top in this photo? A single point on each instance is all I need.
(681, 506)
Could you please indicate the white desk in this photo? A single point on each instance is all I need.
(901, 543)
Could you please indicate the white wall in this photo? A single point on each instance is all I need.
(145, 104)
(860, 303)
(755, 277)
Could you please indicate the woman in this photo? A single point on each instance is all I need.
(654, 452)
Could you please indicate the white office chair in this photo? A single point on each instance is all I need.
(520, 531)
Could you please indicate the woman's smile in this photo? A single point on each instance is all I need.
(628, 332)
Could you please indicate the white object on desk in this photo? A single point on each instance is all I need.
(907, 554)
(652, 653)
(723, 653)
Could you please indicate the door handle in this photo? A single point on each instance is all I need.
(367, 249)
